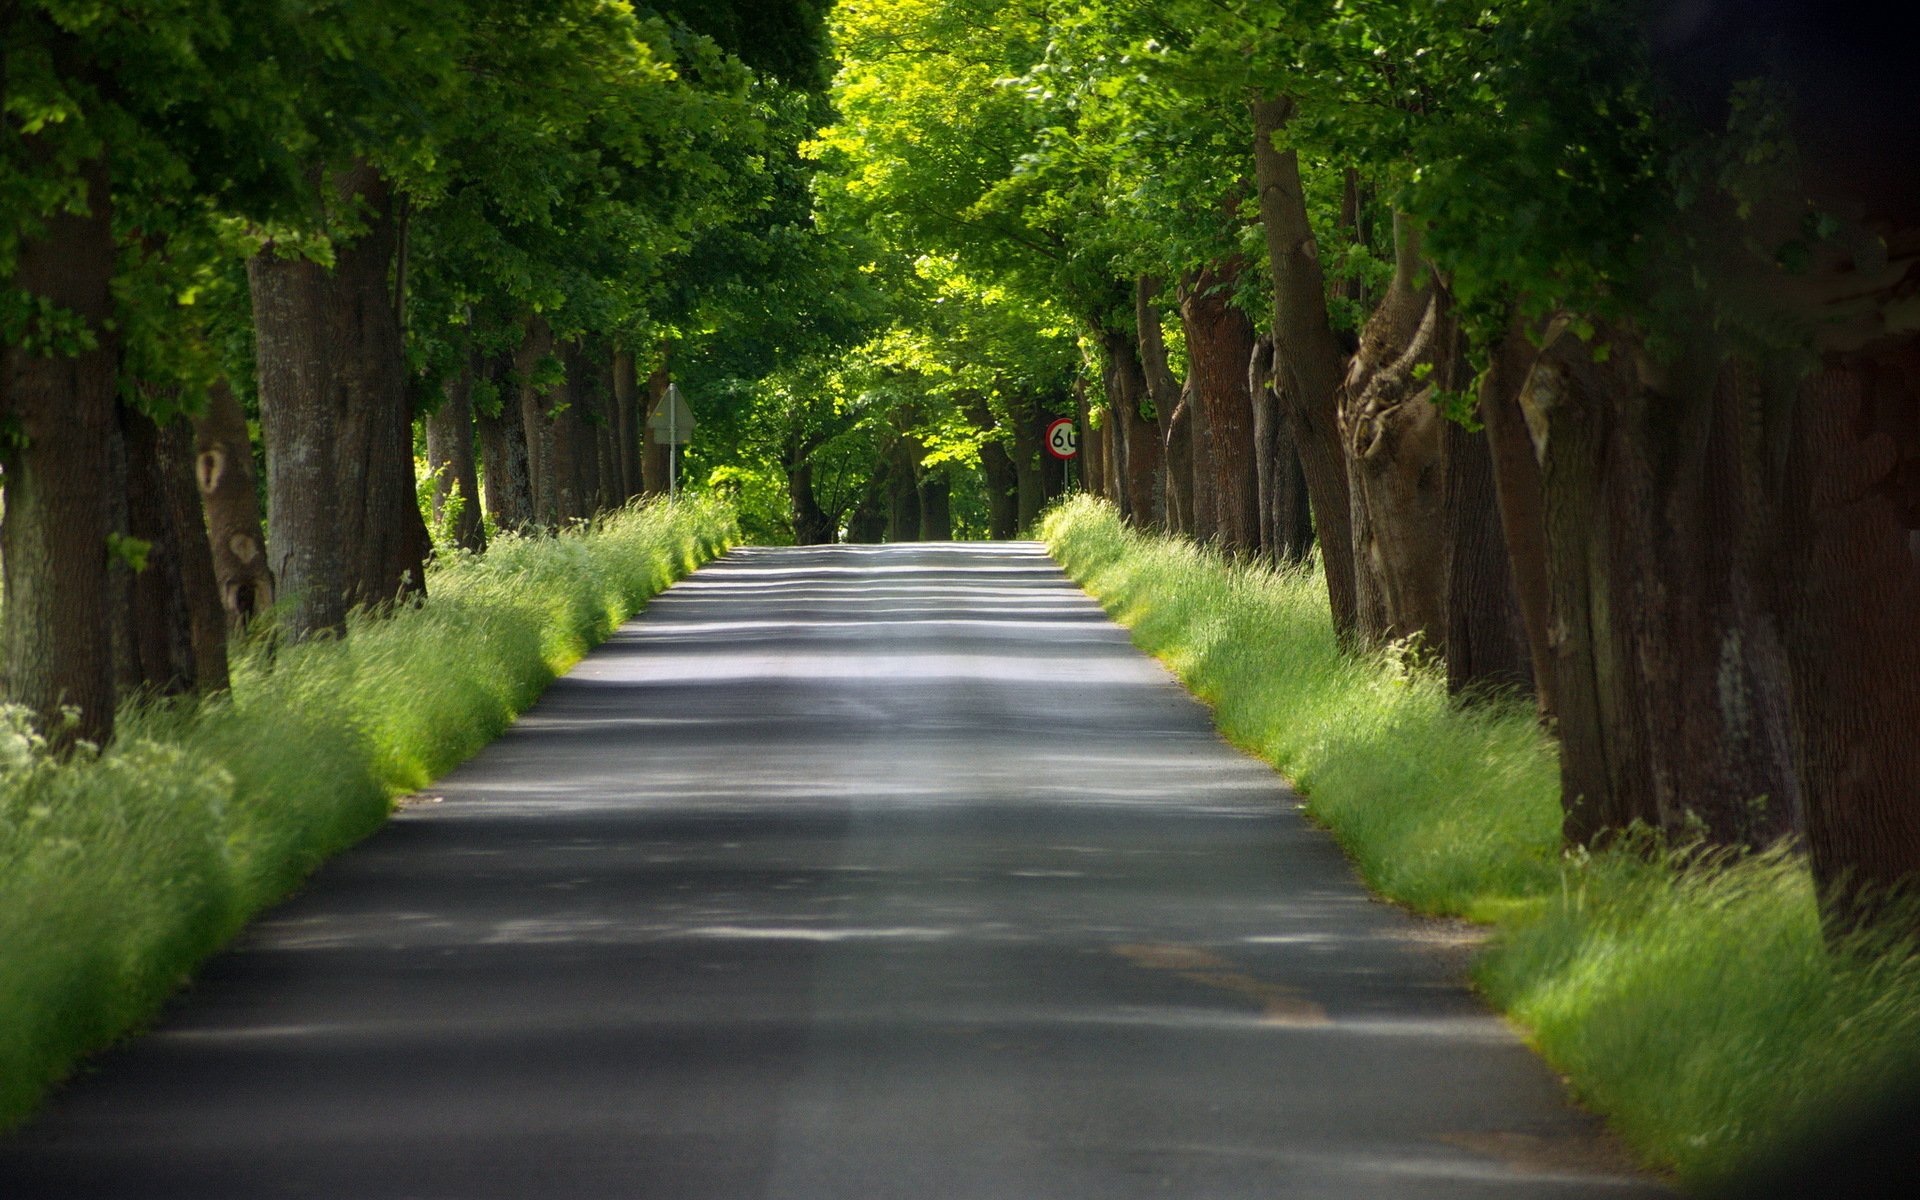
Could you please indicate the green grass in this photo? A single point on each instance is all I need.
(1699, 1009)
(120, 871)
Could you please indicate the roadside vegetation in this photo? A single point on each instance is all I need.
(1692, 1000)
(122, 868)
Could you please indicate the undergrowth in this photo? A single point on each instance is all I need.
(1699, 1009)
(121, 869)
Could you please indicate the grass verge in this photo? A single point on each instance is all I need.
(1699, 1010)
(121, 870)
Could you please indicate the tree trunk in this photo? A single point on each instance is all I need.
(187, 518)
(1179, 459)
(626, 425)
(1206, 508)
(1517, 489)
(1028, 460)
(1166, 393)
(1309, 355)
(535, 404)
(223, 470)
(1672, 689)
(1286, 516)
(1486, 640)
(503, 451)
(1093, 467)
(613, 488)
(903, 492)
(936, 512)
(155, 623)
(1849, 600)
(653, 455)
(811, 525)
(386, 539)
(575, 461)
(301, 415)
(1220, 342)
(1003, 479)
(1396, 458)
(450, 457)
(1139, 437)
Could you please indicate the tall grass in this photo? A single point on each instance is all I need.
(120, 870)
(1698, 1008)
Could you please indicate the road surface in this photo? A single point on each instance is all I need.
(860, 873)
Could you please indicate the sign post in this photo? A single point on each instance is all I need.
(671, 421)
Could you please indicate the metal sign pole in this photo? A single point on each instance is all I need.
(673, 448)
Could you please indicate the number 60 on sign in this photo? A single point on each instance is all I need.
(1063, 441)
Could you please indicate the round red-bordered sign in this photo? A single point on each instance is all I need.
(1063, 440)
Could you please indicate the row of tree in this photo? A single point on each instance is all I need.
(1579, 337)
(295, 232)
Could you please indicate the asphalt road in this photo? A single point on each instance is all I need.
(865, 873)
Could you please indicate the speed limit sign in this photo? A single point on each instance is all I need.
(1063, 441)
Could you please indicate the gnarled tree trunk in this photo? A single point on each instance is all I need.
(1396, 458)
(1309, 356)
(223, 470)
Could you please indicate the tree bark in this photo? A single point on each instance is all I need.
(1179, 459)
(1028, 454)
(1396, 458)
(613, 488)
(1849, 600)
(1142, 478)
(903, 492)
(53, 535)
(1003, 479)
(1671, 678)
(811, 525)
(1206, 508)
(223, 470)
(1309, 356)
(1522, 505)
(386, 539)
(1093, 467)
(450, 457)
(626, 425)
(154, 623)
(575, 461)
(1166, 393)
(936, 511)
(187, 518)
(535, 405)
(1286, 515)
(1220, 342)
(1487, 648)
(503, 451)
(301, 414)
